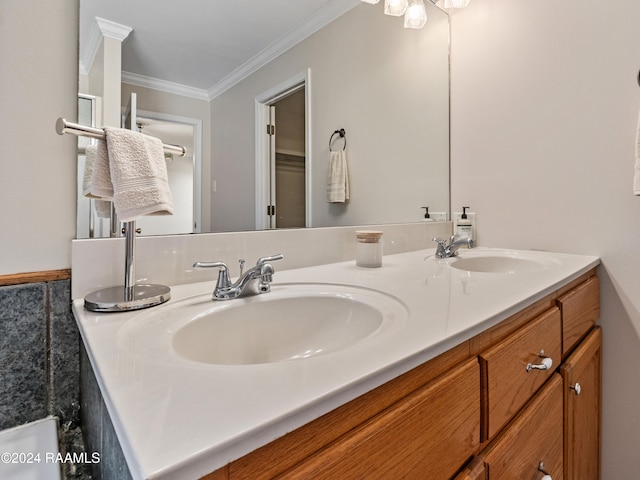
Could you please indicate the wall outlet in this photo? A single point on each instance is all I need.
(470, 216)
(438, 216)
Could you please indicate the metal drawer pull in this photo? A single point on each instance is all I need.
(576, 388)
(546, 364)
(546, 474)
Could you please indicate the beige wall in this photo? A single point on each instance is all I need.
(378, 81)
(38, 84)
(545, 107)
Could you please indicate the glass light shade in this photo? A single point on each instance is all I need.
(372, 2)
(395, 8)
(416, 15)
(455, 3)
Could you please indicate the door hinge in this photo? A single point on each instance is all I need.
(271, 129)
(271, 210)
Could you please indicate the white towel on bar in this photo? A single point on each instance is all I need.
(96, 182)
(636, 176)
(138, 173)
(338, 182)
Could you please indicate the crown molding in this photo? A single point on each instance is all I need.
(326, 15)
(333, 10)
(164, 86)
(100, 28)
(112, 29)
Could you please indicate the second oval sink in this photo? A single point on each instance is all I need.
(291, 322)
(501, 262)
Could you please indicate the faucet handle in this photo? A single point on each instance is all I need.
(223, 277)
(439, 241)
(263, 260)
(200, 265)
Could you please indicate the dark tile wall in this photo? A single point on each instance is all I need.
(23, 354)
(97, 427)
(40, 362)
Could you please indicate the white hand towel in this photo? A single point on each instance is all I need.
(96, 182)
(338, 182)
(103, 208)
(139, 174)
(636, 176)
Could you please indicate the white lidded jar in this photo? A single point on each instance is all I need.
(369, 248)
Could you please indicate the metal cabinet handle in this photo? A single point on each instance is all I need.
(546, 474)
(577, 389)
(546, 364)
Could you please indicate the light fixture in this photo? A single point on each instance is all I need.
(395, 8)
(455, 3)
(414, 11)
(416, 14)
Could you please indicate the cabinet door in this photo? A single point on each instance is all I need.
(581, 374)
(429, 434)
(534, 437)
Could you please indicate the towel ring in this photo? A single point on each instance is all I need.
(342, 134)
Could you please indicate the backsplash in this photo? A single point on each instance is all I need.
(168, 260)
(39, 361)
(38, 354)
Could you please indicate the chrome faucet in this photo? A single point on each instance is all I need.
(445, 251)
(254, 281)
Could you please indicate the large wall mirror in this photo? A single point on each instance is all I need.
(310, 68)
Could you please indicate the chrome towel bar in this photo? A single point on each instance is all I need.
(62, 127)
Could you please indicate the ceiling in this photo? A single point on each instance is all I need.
(205, 45)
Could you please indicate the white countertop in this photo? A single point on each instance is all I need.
(177, 419)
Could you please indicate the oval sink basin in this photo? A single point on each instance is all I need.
(503, 262)
(291, 322)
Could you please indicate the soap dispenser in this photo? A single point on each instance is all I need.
(464, 227)
(427, 217)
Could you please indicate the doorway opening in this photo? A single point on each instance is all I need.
(282, 156)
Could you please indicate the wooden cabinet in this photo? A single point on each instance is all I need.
(582, 399)
(560, 424)
(478, 400)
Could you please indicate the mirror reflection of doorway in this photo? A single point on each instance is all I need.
(287, 161)
(181, 172)
(283, 155)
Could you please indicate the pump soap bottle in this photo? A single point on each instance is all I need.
(464, 227)
(427, 217)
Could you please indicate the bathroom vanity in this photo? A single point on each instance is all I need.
(491, 370)
(478, 399)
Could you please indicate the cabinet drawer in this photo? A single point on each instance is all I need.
(429, 434)
(534, 436)
(507, 382)
(580, 310)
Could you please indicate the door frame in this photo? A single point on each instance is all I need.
(262, 104)
(196, 123)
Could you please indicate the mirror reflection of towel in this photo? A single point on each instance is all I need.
(97, 178)
(338, 182)
(139, 174)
